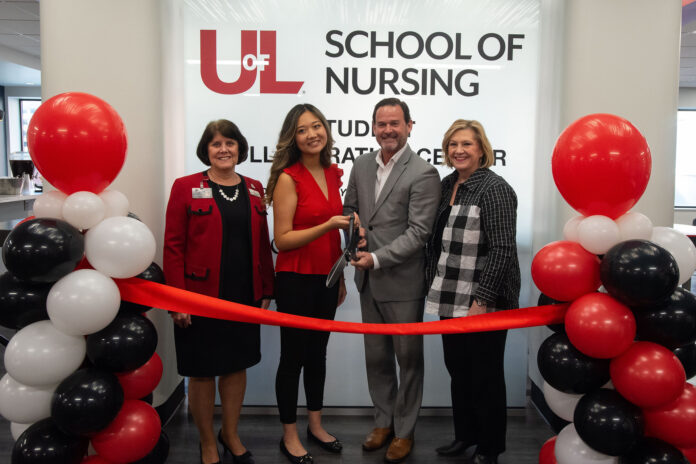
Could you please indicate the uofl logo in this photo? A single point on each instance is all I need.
(258, 58)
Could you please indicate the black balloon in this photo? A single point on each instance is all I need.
(44, 443)
(567, 369)
(153, 273)
(148, 398)
(125, 344)
(21, 303)
(86, 401)
(639, 273)
(159, 453)
(608, 422)
(547, 300)
(687, 356)
(671, 323)
(134, 216)
(43, 250)
(653, 451)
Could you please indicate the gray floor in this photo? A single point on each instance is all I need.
(261, 434)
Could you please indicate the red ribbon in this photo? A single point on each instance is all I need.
(175, 299)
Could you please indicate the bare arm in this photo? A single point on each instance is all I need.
(285, 204)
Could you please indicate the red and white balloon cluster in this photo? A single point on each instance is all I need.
(82, 359)
(617, 369)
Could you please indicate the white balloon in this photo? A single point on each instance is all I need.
(634, 225)
(116, 203)
(120, 247)
(570, 229)
(83, 302)
(570, 449)
(83, 210)
(22, 403)
(680, 246)
(562, 404)
(49, 205)
(40, 354)
(17, 429)
(597, 234)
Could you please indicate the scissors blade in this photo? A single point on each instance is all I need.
(336, 271)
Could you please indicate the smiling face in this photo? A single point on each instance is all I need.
(310, 135)
(391, 129)
(464, 152)
(223, 153)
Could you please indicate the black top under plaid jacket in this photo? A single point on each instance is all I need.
(472, 253)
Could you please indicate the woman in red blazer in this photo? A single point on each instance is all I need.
(216, 243)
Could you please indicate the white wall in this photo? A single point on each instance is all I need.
(687, 100)
(112, 50)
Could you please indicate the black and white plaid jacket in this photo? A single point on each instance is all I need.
(476, 254)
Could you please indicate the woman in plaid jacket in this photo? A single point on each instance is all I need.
(473, 269)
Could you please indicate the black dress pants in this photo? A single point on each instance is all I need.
(479, 406)
(303, 295)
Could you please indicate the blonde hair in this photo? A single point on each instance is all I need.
(461, 124)
(287, 152)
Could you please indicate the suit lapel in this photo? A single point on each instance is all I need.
(394, 175)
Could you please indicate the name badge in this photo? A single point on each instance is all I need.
(254, 192)
(202, 193)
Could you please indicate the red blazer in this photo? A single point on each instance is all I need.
(193, 239)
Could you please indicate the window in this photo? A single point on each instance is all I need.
(685, 177)
(26, 111)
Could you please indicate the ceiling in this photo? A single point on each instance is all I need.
(20, 49)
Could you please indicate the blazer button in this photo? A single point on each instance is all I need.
(369, 227)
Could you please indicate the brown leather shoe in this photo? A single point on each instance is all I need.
(377, 438)
(399, 449)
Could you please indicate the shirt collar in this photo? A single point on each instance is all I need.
(393, 160)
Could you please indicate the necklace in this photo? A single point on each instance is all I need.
(224, 195)
(222, 192)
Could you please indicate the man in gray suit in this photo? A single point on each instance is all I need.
(396, 194)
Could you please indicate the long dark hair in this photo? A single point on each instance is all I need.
(287, 153)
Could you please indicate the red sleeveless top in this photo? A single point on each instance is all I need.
(318, 256)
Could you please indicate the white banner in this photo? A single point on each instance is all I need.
(250, 61)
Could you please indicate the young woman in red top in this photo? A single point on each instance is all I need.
(307, 210)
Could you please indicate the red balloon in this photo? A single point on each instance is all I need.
(675, 422)
(648, 375)
(601, 165)
(140, 382)
(689, 453)
(546, 454)
(600, 326)
(28, 218)
(564, 270)
(77, 142)
(131, 435)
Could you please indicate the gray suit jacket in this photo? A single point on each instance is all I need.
(397, 224)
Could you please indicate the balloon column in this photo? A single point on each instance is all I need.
(618, 372)
(81, 360)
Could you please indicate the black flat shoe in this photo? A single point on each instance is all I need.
(306, 459)
(200, 451)
(484, 459)
(455, 448)
(334, 446)
(245, 458)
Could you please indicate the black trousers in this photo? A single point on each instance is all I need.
(479, 406)
(303, 295)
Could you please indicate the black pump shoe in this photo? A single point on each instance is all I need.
(306, 459)
(245, 458)
(334, 446)
(455, 448)
(200, 451)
